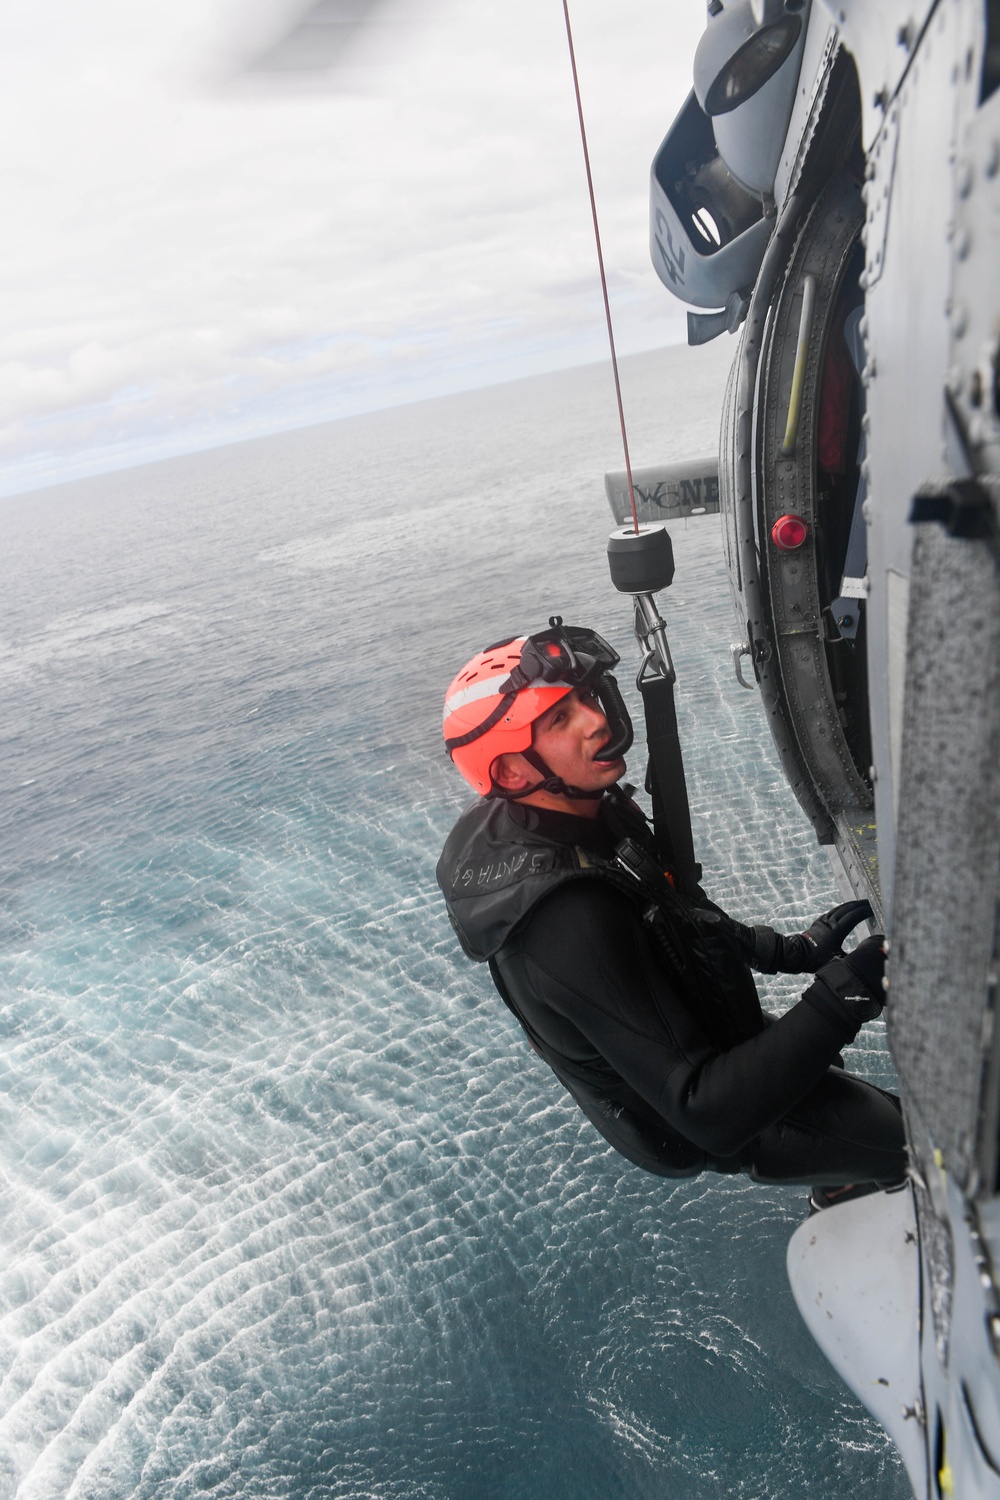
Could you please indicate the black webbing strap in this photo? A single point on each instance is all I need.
(666, 785)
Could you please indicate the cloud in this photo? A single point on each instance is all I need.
(183, 265)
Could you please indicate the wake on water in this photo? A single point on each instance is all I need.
(288, 1207)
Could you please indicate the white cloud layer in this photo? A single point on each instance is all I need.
(188, 260)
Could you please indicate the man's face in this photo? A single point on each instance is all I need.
(569, 738)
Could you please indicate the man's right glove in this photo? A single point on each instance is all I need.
(849, 988)
(806, 952)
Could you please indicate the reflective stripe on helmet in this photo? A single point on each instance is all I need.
(486, 688)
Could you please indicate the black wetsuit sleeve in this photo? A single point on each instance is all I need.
(596, 985)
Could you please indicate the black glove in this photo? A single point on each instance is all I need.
(850, 988)
(805, 952)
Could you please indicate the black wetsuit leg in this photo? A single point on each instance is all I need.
(844, 1130)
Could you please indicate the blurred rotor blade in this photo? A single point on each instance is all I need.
(320, 39)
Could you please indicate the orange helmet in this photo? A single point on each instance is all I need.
(491, 706)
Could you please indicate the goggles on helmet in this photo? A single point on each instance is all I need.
(569, 654)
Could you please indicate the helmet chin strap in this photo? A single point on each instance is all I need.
(550, 783)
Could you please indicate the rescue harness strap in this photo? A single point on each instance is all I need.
(666, 785)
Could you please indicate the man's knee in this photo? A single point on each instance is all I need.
(844, 1130)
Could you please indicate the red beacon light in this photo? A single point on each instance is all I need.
(788, 533)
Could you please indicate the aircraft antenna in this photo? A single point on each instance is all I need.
(600, 262)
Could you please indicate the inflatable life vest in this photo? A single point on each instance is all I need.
(494, 872)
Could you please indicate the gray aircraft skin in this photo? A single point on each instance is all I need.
(830, 193)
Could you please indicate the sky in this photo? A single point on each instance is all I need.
(190, 258)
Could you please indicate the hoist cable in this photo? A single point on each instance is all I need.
(600, 262)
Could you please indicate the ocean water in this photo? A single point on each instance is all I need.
(287, 1207)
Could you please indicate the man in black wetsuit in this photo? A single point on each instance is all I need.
(639, 996)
